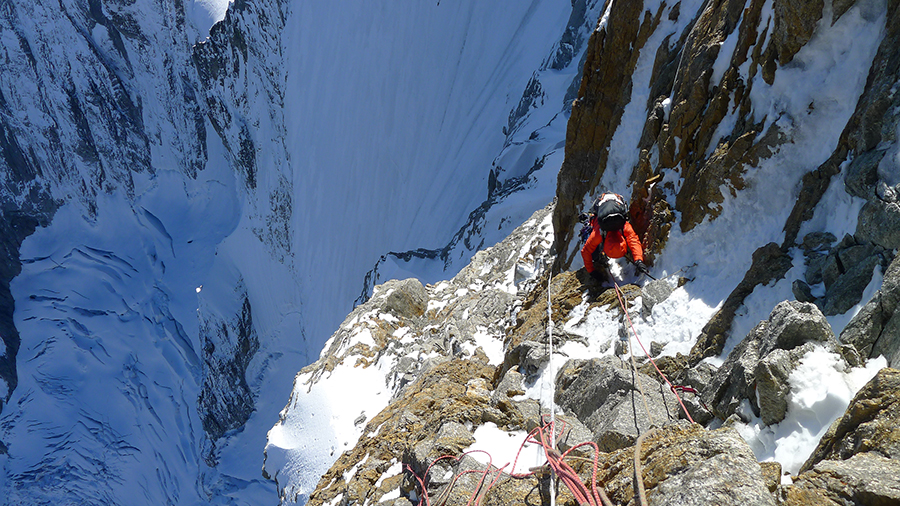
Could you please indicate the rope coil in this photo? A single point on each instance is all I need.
(546, 437)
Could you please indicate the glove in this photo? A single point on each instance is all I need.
(585, 233)
(641, 267)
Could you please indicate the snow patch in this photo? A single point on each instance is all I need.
(496, 447)
(203, 14)
(820, 393)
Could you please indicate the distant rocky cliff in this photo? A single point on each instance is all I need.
(97, 99)
(73, 125)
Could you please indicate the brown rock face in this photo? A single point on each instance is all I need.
(871, 423)
(682, 77)
(699, 105)
(692, 89)
(686, 464)
(604, 93)
(863, 479)
(793, 27)
(435, 407)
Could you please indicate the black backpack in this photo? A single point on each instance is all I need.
(611, 211)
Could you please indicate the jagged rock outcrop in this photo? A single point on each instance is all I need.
(417, 429)
(858, 460)
(758, 368)
(871, 424)
(613, 402)
(862, 479)
(870, 130)
(844, 270)
(686, 464)
(528, 340)
(879, 220)
(684, 109)
(654, 292)
(769, 263)
(875, 330)
(699, 104)
(693, 380)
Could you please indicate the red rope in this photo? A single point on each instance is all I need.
(593, 496)
(631, 324)
(683, 388)
(474, 497)
(570, 478)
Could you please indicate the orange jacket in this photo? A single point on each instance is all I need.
(616, 245)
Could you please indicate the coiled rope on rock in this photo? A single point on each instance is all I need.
(477, 494)
(592, 495)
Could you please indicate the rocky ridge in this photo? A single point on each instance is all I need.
(431, 346)
(122, 77)
(447, 380)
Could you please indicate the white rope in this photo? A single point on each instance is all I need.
(552, 386)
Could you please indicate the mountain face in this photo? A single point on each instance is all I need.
(757, 141)
(72, 126)
(188, 212)
(737, 95)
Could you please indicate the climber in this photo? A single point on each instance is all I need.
(610, 235)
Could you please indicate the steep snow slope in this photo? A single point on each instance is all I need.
(396, 149)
